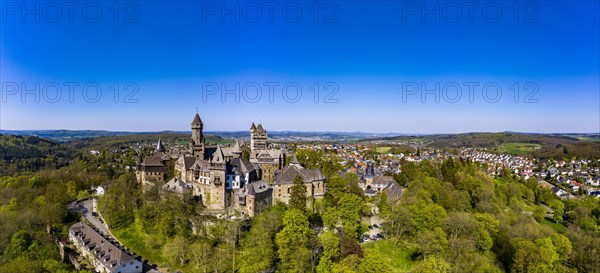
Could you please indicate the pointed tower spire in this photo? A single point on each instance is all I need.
(159, 146)
(197, 120)
(294, 160)
(236, 146)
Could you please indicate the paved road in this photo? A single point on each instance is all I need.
(86, 208)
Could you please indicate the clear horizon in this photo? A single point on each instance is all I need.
(402, 67)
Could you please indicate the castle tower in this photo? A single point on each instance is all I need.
(258, 138)
(219, 198)
(237, 150)
(197, 141)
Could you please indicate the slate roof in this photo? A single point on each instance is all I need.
(266, 155)
(294, 160)
(189, 161)
(152, 161)
(287, 175)
(393, 190)
(109, 254)
(241, 166)
(176, 185)
(383, 179)
(197, 120)
(218, 156)
(260, 128)
(254, 188)
(200, 165)
(231, 151)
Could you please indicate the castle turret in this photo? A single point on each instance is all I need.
(258, 138)
(159, 146)
(197, 141)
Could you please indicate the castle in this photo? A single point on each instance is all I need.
(223, 179)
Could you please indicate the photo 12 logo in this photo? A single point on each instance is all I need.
(453, 92)
(254, 92)
(55, 92)
(269, 12)
(68, 11)
(469, 11)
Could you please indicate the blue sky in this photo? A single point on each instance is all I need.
(366, 58)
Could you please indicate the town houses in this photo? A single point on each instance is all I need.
(567, 179)
(104, 253)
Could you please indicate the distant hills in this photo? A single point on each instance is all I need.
(466, 139)
(484, 140)
(21, 143)
(67, 135)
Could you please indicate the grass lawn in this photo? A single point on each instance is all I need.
(518, 148)
(134, 238)
(560, 228)
(500, 181)
(383, 150)
(397, 256)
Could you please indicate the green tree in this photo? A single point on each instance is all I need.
(373, 263)
(19, 244)
(120, 201)
(293, 242)
(432, 242)
(382, 204)
(563, 246)
(331, 251)
(559, 210)
(176, 251)
(298, 195)
(258, 252)
(432, 265)
(200, 254)
(350, 209)
(538, 256)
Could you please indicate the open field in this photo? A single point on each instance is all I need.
(383, 150)
(556, 226)
(518, 148)
(398, 257)
(135, 239)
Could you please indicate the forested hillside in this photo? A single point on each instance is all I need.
(30, 153)
(33, 202)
